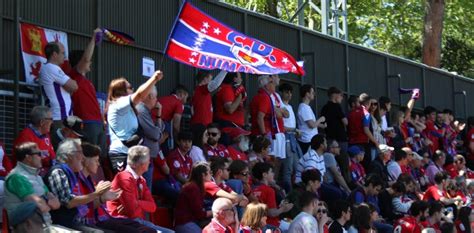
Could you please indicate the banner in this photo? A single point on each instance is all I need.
(33, 41)
(201, 41)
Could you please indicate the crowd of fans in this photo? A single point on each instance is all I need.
(372, 169)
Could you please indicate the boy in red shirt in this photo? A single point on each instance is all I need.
(179, 161)
(412, 223)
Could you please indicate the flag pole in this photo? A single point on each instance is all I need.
(171, 33)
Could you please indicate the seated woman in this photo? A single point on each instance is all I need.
(95, 213)
(189, 213)
(363, 219)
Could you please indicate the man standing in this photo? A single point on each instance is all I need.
(152, 129)
(307, 123)
(224, 219)
(229, 102)
(55, 84)
(262, 110)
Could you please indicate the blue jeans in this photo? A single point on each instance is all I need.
(293, 154)
(383, 227)
(190, 227)
(330, 192)
(151, 225)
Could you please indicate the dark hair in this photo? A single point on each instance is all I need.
(435, 207)
(405, 178)
(90, 150)
(400, 154)
(201, 74)
(180, 89)
(383, 101)
(361, 217)
(213, 126)
(185, 136)
(24, 149)
(399, 187)
(418, 207)
(317, 141)
(198, 131)
(306, 198)
(196, 175)
(447, 227)
(428, 110)
(305, 89)
(439, 177)
(217, 163)
(50, 48)
(75, 57)
(260, 168)
(229, 77)
(463, 217)
(333, 90)
(352, 100)
(310, 175)
(364, 98)
(284, 87)
(236, 167)
(437, 154)
(339, 207)
(374, 179)
(260, 143)
(448, 111)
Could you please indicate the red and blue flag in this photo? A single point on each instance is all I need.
(201, 41)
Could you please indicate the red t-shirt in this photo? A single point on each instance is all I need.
(179, 164)
(170, 105)
(407, 224)
(84, 99)
(355, 128)
(357, 171)
(226, 94)
(158, 162)
(190, 205)
(433, 194)
(431, 129)
(202, 106)
(265, 194)
(211, 189)
(261, 103)
(43, 142)
(237, 155)
(219, 150)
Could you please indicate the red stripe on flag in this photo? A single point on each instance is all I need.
(33, 40)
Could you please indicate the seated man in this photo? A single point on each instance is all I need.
(179, 161)
(213, 147)
(136, 198)
(25, 192)
(224, 217)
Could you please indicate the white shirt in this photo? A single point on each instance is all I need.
(196, 154)
(52, 79)
(384, 122)
(305, 113)
(289, 122)
(304, 223)
(310, 160)
(394, 170)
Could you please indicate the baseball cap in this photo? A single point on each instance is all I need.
(384, 148)
(75, 124)
(417, 156)
(355, 150)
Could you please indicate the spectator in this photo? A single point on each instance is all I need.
(189, 213)
(254, 219)
(63, 183)
(435, 217)
(367, 193)
(417, 171)
(379, 165)
(84, 99)
(464, 220)
(432, 132)
(321, 213)
(200, 137)
(305, 222)
(152, 129)
(394, 168)
(311, 182)
(435, 192)
(342, 215)
(5, 162)
(38, 132)
(27, 202)
(469, 142)
(353, 103)
(385, 105)
(97, 214)
(293, 150)
(363, 219)
(202, 101)
(436, 165)
(400, 138)
(229, 102)
(400, 203)
(213, 147)
(136, 199)
(172, 107)
(458, 168)
(307, 123)
(262, 112)
(412, 223)
(73, 128)
(122, 117)
(356, 168)
(217, 186)
(224, 217)
(314, 158)
(263, 175)
(239, 179)
(240, 143)
(261, 150)
(375, 127)
(163, 183)
(178, 160)
(359, 128)
(333, 174)
(447, 227)
(56, 85)
(453, 128)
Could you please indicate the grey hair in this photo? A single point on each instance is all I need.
(39, 113)
(67, 148)
(138, 155)
(219, 204)
(263, 80)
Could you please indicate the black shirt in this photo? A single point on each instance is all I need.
(336, 227)
(334, 115)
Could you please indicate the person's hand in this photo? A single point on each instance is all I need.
(158, 75)
(244, 201)
(111, 195)
(53, 201)
(322, 119)
(43, 206)
(158, 105)
(240, 90)
(415, 93)
(285, 206)
(460, 126)
(323, 219)
(97, 31)
(102, 187)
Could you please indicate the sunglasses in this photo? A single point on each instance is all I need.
(212, 134)
(36, 153)
(323, 211)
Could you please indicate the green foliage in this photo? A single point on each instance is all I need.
(395, 26)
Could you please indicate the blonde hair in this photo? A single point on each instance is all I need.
(254, 212)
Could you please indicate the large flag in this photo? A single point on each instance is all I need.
(201, 41)
(33, 41)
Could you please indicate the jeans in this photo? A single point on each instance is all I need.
(190, 227)
(164, 188)
(151, 225)
(293, 154)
